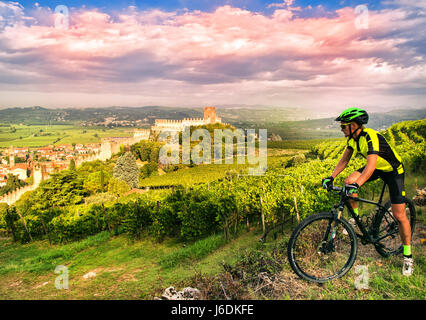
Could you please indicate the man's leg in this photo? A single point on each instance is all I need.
(397, 194)
(404, 226)
(398, 211)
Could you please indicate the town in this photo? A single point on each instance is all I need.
(20, 161)
(34, 165)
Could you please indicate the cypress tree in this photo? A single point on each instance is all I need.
(127, 170)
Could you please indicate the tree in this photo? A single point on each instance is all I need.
(97, 181)
(102, 180)
(12, 184)
(148, 170)
(154, 155)
(25, 203)
(127, 170)
(72, 165)
(117, 187)
(62, 189)
(122, 150)
(147, 150)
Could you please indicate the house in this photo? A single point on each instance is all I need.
(21, 170)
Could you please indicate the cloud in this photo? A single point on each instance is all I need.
(228, 55)
(10, 13)
(406, 3)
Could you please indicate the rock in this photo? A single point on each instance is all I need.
(187, 293)
(169, 294)
(420, 198)
(91, 274)
(42, 285)
(191, 293)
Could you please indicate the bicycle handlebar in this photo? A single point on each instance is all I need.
(340, 190)
(333, 188)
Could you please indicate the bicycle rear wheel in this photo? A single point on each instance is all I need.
(386, 227)
(315, 255)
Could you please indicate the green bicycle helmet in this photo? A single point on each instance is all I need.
(357, 115)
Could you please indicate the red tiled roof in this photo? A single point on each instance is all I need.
(20, 166)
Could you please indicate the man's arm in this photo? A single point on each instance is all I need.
(343, 162)
(369, 169)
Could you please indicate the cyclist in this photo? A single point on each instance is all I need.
(382, 162)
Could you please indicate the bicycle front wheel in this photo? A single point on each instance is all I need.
(321, 249)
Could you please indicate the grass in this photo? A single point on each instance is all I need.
(195, 251)
(384, 281)
(143, 269)
(125, 270)
(37, 258)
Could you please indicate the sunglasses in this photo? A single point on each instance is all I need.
(343, 126)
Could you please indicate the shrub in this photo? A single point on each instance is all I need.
(198, 215)
(139, 216)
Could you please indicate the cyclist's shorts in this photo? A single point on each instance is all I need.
(395, 182)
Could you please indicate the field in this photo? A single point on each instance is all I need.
(38, 136)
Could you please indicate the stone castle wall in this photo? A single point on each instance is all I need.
(179, 125)
(12, 197)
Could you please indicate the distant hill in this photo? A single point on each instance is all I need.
(326, 127)
(41, 116)
(377, 121)
(233, 114)
(271, 118)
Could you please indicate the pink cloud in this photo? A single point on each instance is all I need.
(202, 52)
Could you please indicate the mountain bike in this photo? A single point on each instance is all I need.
(324, 246)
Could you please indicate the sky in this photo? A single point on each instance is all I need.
(316, 55)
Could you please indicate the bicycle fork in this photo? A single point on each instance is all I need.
(327, 244)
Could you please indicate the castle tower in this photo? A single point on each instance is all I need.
(210, 115)
(39, 173)
(106, 149)
(11, 157)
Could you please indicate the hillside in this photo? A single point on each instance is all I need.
(201, 234)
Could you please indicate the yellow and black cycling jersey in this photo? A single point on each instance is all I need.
(368, 142)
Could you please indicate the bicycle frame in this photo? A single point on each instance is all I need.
(344, 202)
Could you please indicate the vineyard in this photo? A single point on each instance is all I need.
(201, 205)
(408, 138)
